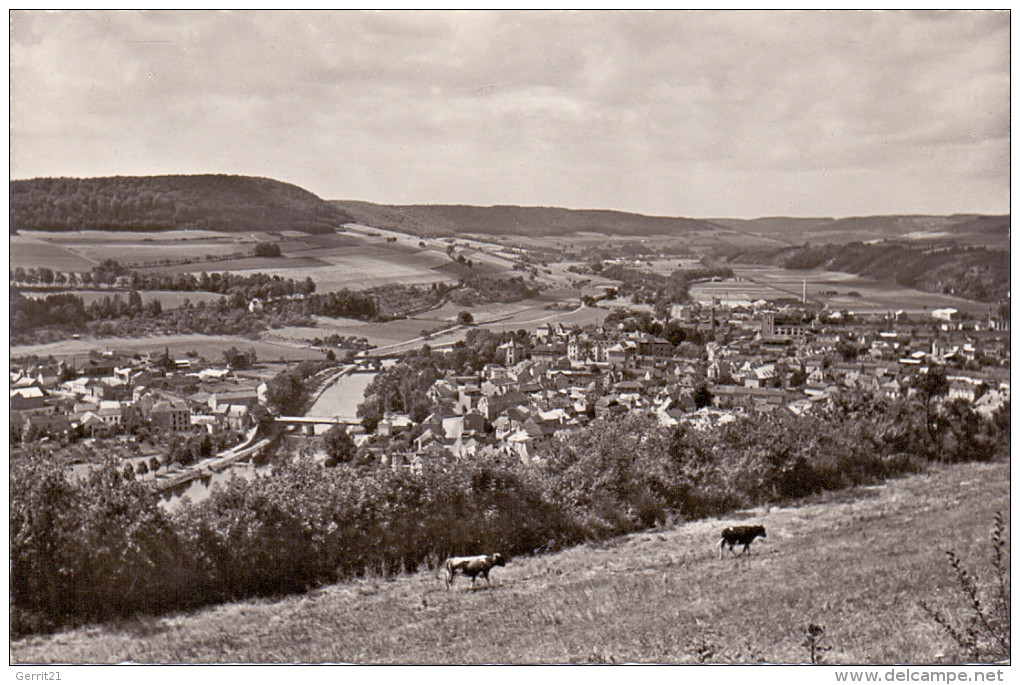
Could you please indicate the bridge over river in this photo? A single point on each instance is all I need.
(310, 422)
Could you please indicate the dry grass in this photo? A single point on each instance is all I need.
(855, 562)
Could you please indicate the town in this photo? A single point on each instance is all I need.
(703, 364)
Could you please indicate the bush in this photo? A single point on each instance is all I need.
(89, 550)
(985, 633)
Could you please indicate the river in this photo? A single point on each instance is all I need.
(342, 398)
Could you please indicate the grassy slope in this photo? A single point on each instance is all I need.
(856, 562)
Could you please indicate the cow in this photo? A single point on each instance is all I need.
(740, 535)
(472, 566)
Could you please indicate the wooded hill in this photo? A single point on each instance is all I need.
(974, 273)
(159, 203)
(448, 220)
(963, 229)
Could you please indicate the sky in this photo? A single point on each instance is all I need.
(700, 114)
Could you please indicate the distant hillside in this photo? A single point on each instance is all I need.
(157, 203)
(964, 229)
(444, 220)
(970, 272)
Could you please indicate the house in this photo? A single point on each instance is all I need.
(170, 414)
(608, 406)
(111, 412)
(546, 353)
(727, 396)
(248, 397)
(962, 388)
(89, 422)
(393, 424)
(47, 424)
(29, 401)
(651, 346)
(511, 352)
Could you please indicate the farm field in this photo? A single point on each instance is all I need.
(207, 346)
(91, 237)
(133, 248)
(855, 562)
(28, 252)
(400, 335)
(170, 299)
(376, 332)
(754, 282)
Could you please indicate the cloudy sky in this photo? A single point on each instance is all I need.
(703, 114)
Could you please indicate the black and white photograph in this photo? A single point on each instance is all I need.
(446, 338)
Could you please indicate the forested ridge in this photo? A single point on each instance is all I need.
(158, 203)
(437, 220)
(969, 272)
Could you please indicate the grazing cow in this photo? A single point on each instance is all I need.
(740, 535)
(472, 566)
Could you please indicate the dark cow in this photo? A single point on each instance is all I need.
(472, 566)
(740, 535)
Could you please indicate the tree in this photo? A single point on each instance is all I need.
(261, 416)
(340, 447)
(465, 318)
(267, 250)
(702, 397)
(240, 360)
(286, 393)
(930, 385)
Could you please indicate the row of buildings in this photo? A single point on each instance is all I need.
(107, 393)
(565, 377)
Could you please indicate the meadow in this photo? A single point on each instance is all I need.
(856, 562)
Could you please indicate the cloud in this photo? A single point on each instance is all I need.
(661, 112)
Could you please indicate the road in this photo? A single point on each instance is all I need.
(218, 462)
(459, 332)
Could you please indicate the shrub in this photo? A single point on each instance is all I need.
(89, 550)
(984, 635)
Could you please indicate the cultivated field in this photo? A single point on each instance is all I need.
(207, 346)
(28, 252)
(130, 248)
(755, 282)
(169, 299)
(401, 335)
(856, 562)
